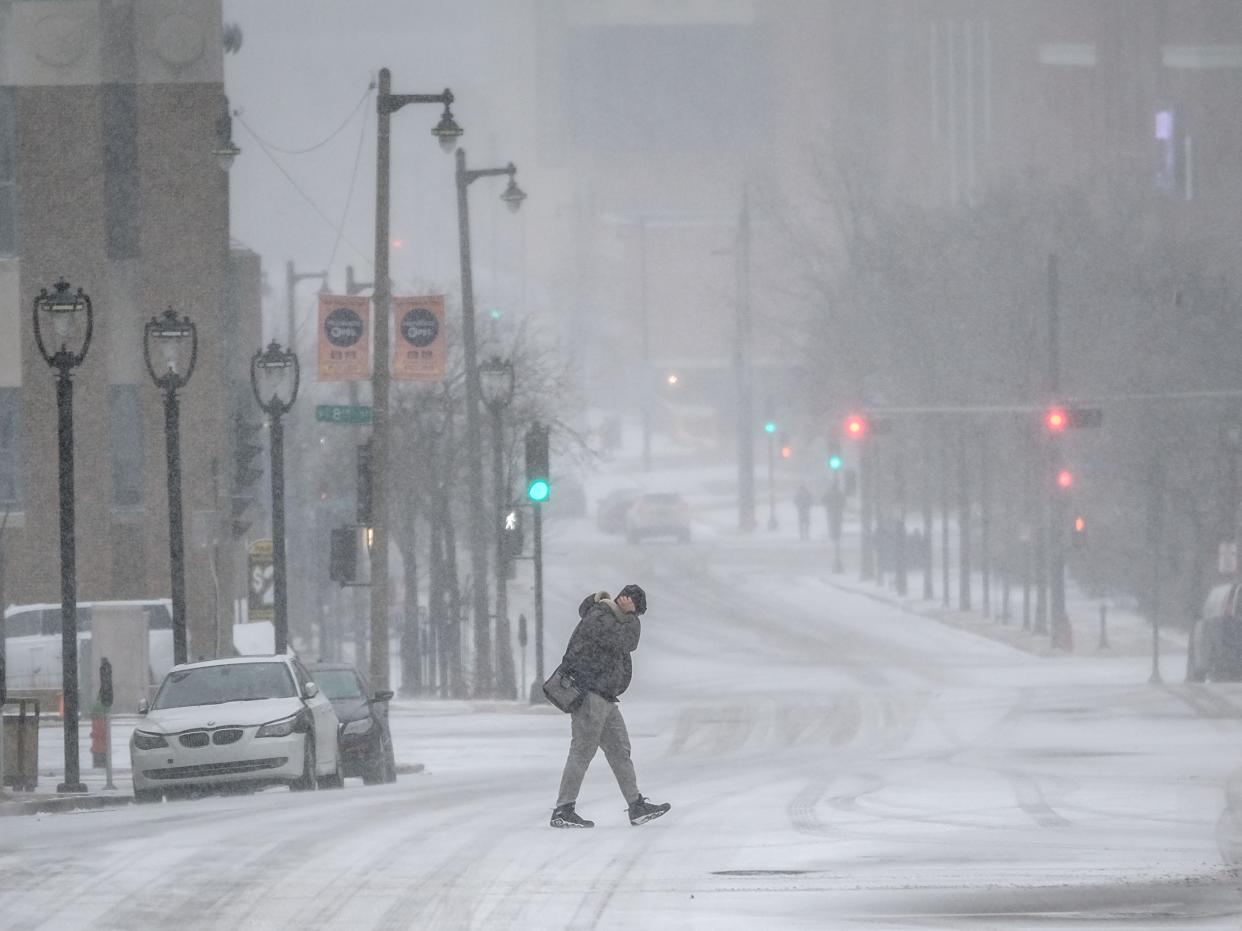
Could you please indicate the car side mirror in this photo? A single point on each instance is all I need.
(143, 706)
(383, 695)
(311, 690)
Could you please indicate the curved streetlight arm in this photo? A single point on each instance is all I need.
(391, 103)
(469, 176)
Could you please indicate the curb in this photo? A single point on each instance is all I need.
(39, 806)
(12, 806)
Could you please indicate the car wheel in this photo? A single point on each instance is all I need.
(307, 781)
(147, 796)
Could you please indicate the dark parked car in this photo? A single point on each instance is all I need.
(1215, 648)
(364, 738)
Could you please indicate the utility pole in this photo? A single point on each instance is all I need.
(645, 317)
(1155, 538)
(944, 517)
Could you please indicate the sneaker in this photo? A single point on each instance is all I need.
(564, 816)
(642, 811)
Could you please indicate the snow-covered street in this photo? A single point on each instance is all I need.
(833, 762)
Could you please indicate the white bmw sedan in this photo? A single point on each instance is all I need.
(248, 721)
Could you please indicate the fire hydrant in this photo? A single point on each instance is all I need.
(99, 737)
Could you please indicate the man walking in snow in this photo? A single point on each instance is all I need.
(599, 658)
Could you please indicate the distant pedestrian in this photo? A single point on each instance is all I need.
(598, 656)
(803, 502)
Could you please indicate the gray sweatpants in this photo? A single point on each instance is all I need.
(598, 723)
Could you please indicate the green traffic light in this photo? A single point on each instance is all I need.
(834, 462)
(538, 490)
(770, 426)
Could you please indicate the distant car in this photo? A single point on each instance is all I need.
(1215, 647)
(242, 722)
(658, 514)
(365, 738)
(612, 508)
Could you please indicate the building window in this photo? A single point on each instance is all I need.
(125, 436)
(9, 227)
(120, 138)
(11, 448)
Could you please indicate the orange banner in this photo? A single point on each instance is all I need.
(344, 338)
(418, 349)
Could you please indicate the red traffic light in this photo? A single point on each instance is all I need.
(1056, 420)
(856, 426)
(1080, 524)
(1065, 478)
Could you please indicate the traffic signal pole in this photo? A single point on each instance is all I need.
(1055, 526)
(539, 676)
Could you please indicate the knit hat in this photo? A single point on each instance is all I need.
(637, 595)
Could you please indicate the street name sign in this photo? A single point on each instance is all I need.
(343, 413)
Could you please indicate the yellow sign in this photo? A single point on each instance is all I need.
(344, 338)
(418, 349)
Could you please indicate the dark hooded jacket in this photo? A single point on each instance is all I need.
(599, 650)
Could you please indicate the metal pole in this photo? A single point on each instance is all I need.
(484, 680)
(742, 375)
(1154, 540)
(645, 394)
(866, 565)
(926, 556)
(944, 518)
(280, 594)
(504, 652)
(380, 302)
(963, 523)
(68, 583)
(771, 482)
(176, 534)
(108, 749)
(539, 676)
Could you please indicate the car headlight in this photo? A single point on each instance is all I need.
(144, 740)
(295, 723)
(361, 726)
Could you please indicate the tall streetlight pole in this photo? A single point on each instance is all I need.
(447, 131)
(274, 376)
(173, 337)
(512, 196)
(497, 381)
(72, 319)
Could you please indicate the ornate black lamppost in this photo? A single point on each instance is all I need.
(66, 317)
(274, 375)
(446, 132)
(496, 384)
(173, 341)
(513, 196)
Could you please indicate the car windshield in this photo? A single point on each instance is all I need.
(213, 685)
(337, 683)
